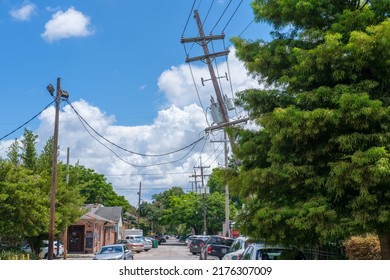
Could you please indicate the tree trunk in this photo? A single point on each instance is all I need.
(384, 239)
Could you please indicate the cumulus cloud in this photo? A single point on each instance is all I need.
(67, 24)
(178, 82)
(24, 13)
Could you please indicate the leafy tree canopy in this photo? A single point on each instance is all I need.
(317, 168)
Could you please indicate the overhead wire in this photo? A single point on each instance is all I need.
(127, 150)
(208, 12)
(223, 13)
(188, 19)
(27, 122)
(223, 30)
(85, 124)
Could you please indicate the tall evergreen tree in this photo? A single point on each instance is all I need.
(13, 153)
(318, 167)
(29, 154)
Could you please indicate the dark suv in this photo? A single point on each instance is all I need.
(215, 247)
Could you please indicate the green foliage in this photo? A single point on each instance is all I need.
(317, 168)
(29, 153)
(95, 188)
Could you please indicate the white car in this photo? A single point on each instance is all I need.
(261, 251)
(58, 249)
(237, 248)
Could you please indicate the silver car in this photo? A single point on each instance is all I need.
(262, 251)
(114, 252)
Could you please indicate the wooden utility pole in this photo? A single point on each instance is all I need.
(195, 180)
(207, 57)
(54, 171)
(203, 195)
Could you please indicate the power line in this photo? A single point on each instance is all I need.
(188, 19)
(223, 30)
(19, 127)
(125, 161)
(129, 151)
(211, 32)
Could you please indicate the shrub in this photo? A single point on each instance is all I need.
(365, 247)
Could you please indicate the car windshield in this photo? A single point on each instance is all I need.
(110, 250)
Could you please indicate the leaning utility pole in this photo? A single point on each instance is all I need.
(207, 57)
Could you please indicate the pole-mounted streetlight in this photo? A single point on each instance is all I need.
(59, 94)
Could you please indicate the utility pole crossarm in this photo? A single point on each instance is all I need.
(208, 56)
(199, 39)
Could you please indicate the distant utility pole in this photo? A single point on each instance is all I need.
(195, 181)
(203, 195)
(59, 94)
(139, 203)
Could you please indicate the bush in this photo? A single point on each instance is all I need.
(364, 247)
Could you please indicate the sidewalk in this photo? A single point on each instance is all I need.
(79, 256)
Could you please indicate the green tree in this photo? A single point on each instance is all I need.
(318, 167)
(24, 203)
(187, 209)
(45, 159)
(95, 188)
(13, 153)
(29, 154)
(25, 195)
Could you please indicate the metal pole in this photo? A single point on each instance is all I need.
(54, 171)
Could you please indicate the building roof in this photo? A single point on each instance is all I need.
(110, 213)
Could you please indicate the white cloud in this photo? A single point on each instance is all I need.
(70, 23)
(24, 13)
(178, 82)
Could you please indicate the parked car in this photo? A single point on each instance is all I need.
(147, 243)
(192, 237)
(136, 245)
(160, 238)
(262, 251)
(215, 247)
(114, 252)
(196, 245)
(58, 249)
(237, 248)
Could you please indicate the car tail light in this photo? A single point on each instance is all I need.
(201, 244)
(239, 256)
(209, 249)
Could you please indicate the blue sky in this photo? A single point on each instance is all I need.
(124, 68)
